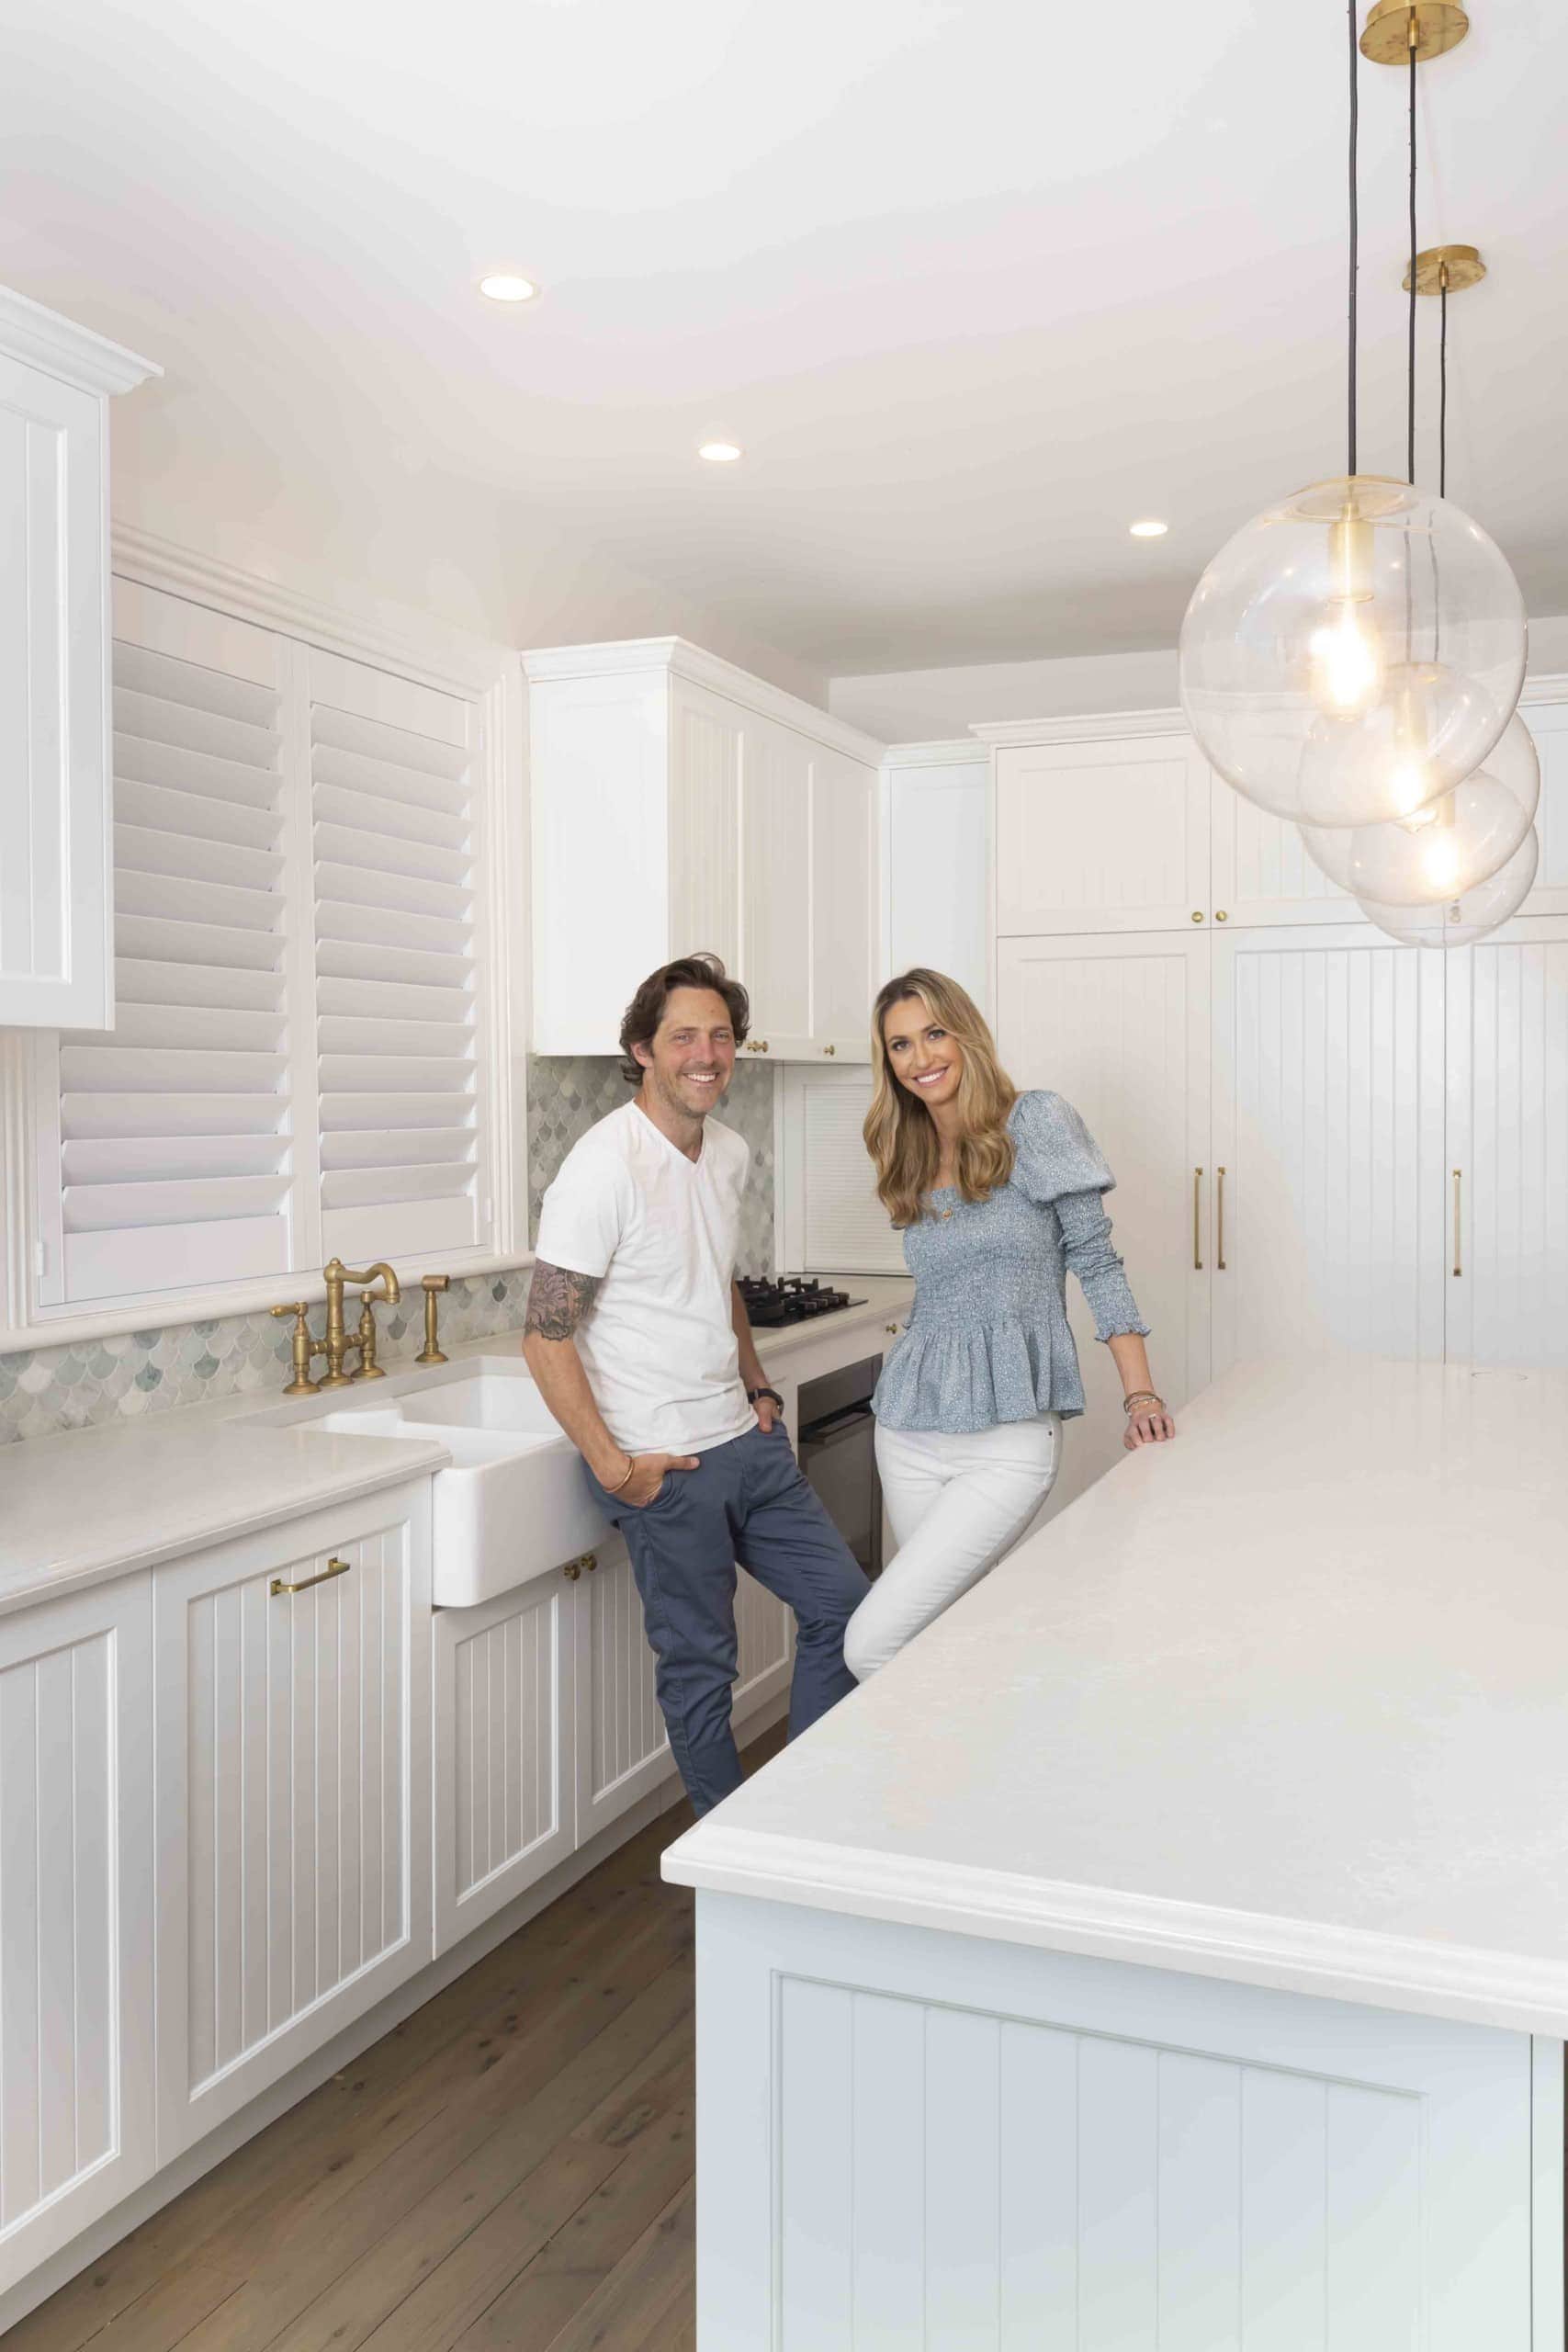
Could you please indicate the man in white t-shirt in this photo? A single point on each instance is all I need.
(638, 1339)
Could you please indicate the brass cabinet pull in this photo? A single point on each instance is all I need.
(573, 1568)
(829, 1049)
(1197, 1228)
(334, 1567)
(1220, 915)
(1196, 916)
(1220, 1220)
(1458, 1260)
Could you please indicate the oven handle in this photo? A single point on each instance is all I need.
(833, 1428)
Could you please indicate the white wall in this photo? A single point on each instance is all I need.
(909, 706)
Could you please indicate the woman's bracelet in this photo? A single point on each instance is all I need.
(631, 1465)
(1143, 1397)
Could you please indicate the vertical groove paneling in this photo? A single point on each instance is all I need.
(58, 1908)
(704, 834)
(1517, 1274)
(954, 2181)
(1330, 1202)
(505, 1739)
(627, 1726)
(295, 1795)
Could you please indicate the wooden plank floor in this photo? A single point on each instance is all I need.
(509, 2167)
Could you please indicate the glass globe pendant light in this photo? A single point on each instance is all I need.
(1446, 846)
(1460, 922)
(1356, 650)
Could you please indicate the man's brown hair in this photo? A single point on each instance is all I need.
(640, 1022)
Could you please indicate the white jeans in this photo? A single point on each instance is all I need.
(957, 1505)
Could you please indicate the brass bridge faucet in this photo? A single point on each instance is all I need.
(338, 1342)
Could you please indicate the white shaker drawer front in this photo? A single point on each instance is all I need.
(75, 1915)
(505, 1792)
(292, 1796)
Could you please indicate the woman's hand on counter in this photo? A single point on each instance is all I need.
(1148, 1423)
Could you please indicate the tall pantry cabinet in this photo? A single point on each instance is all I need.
(1321, 1138)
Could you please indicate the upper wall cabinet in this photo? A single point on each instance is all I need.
(679, 804)
(56, 964)
(937, 798)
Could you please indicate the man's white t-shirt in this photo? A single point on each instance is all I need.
(660, 1230)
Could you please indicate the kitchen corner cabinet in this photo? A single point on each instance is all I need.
(56, 956)
(292, 1796)
(678, 804)
(76, 1864)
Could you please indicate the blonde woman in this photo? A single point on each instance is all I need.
(999, 1193)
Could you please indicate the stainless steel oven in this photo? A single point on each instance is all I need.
(837, 1447)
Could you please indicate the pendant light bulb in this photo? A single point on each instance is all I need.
(1447, 847)
(1353, 653)
(1461, 920)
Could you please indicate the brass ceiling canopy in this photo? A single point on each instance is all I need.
(1446, 269)
(1438, 25)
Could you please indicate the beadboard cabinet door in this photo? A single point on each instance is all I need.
(777, 883)
(77, 1863)
(1506, 1236)
(1120, 1026)
(1329, 1109)
(292, 1796)
(845, 944)
(504, 1733)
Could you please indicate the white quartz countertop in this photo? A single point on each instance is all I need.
(1285, 1702)
(87, 1505)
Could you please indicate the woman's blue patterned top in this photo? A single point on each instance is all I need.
(988, 1339)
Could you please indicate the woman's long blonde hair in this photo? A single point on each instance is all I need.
(900, 1133)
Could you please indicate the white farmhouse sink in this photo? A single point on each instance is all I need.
(512, 1504)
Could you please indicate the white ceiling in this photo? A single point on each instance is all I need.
(975, 282)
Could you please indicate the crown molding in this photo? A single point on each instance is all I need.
(1090, 726)
(678, 658)
(1512, 1990)
(1551, 685)
(961, 748)
(62, 348)
(444, 657)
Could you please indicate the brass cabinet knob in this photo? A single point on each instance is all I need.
(1220, 915)
(1196, 916)
(829, 1049)
(572, 1570)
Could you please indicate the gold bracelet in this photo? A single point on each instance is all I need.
(631, 1466)
(1143, 1397)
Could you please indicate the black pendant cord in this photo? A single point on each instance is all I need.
(1355, 236)
(1410, 407)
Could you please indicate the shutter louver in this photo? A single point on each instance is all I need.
(395, 849)
(174, 1126)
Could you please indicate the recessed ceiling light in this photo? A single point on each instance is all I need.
(1150, 529)
(719, 453)
(502, 288)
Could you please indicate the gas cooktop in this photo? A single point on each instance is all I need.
(794, 1300)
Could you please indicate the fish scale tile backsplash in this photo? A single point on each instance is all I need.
(91, 1381)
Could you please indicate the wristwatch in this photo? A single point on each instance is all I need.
(753, 1395)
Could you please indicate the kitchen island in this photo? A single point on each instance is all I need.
(1172, 1946)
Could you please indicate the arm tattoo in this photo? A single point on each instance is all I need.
(558, 1300)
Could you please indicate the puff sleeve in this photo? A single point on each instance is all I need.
(1061, 1167)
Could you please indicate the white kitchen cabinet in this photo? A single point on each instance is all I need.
(77, 1875)
(1328, 1106)
(1120, 1026)
(938, 802)
(1109, 835)
(678, 804)
(1505, 1242)
(292, 1796)
(56, 960)
(504, 1732)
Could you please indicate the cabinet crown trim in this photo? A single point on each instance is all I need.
(63, 348)
(548, 665)
(1109, 726)
(962, 750)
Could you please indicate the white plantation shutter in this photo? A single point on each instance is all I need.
(173, 1129)
(399, 924)
(833, 1221)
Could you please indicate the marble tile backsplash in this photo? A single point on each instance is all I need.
(91, 1381)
